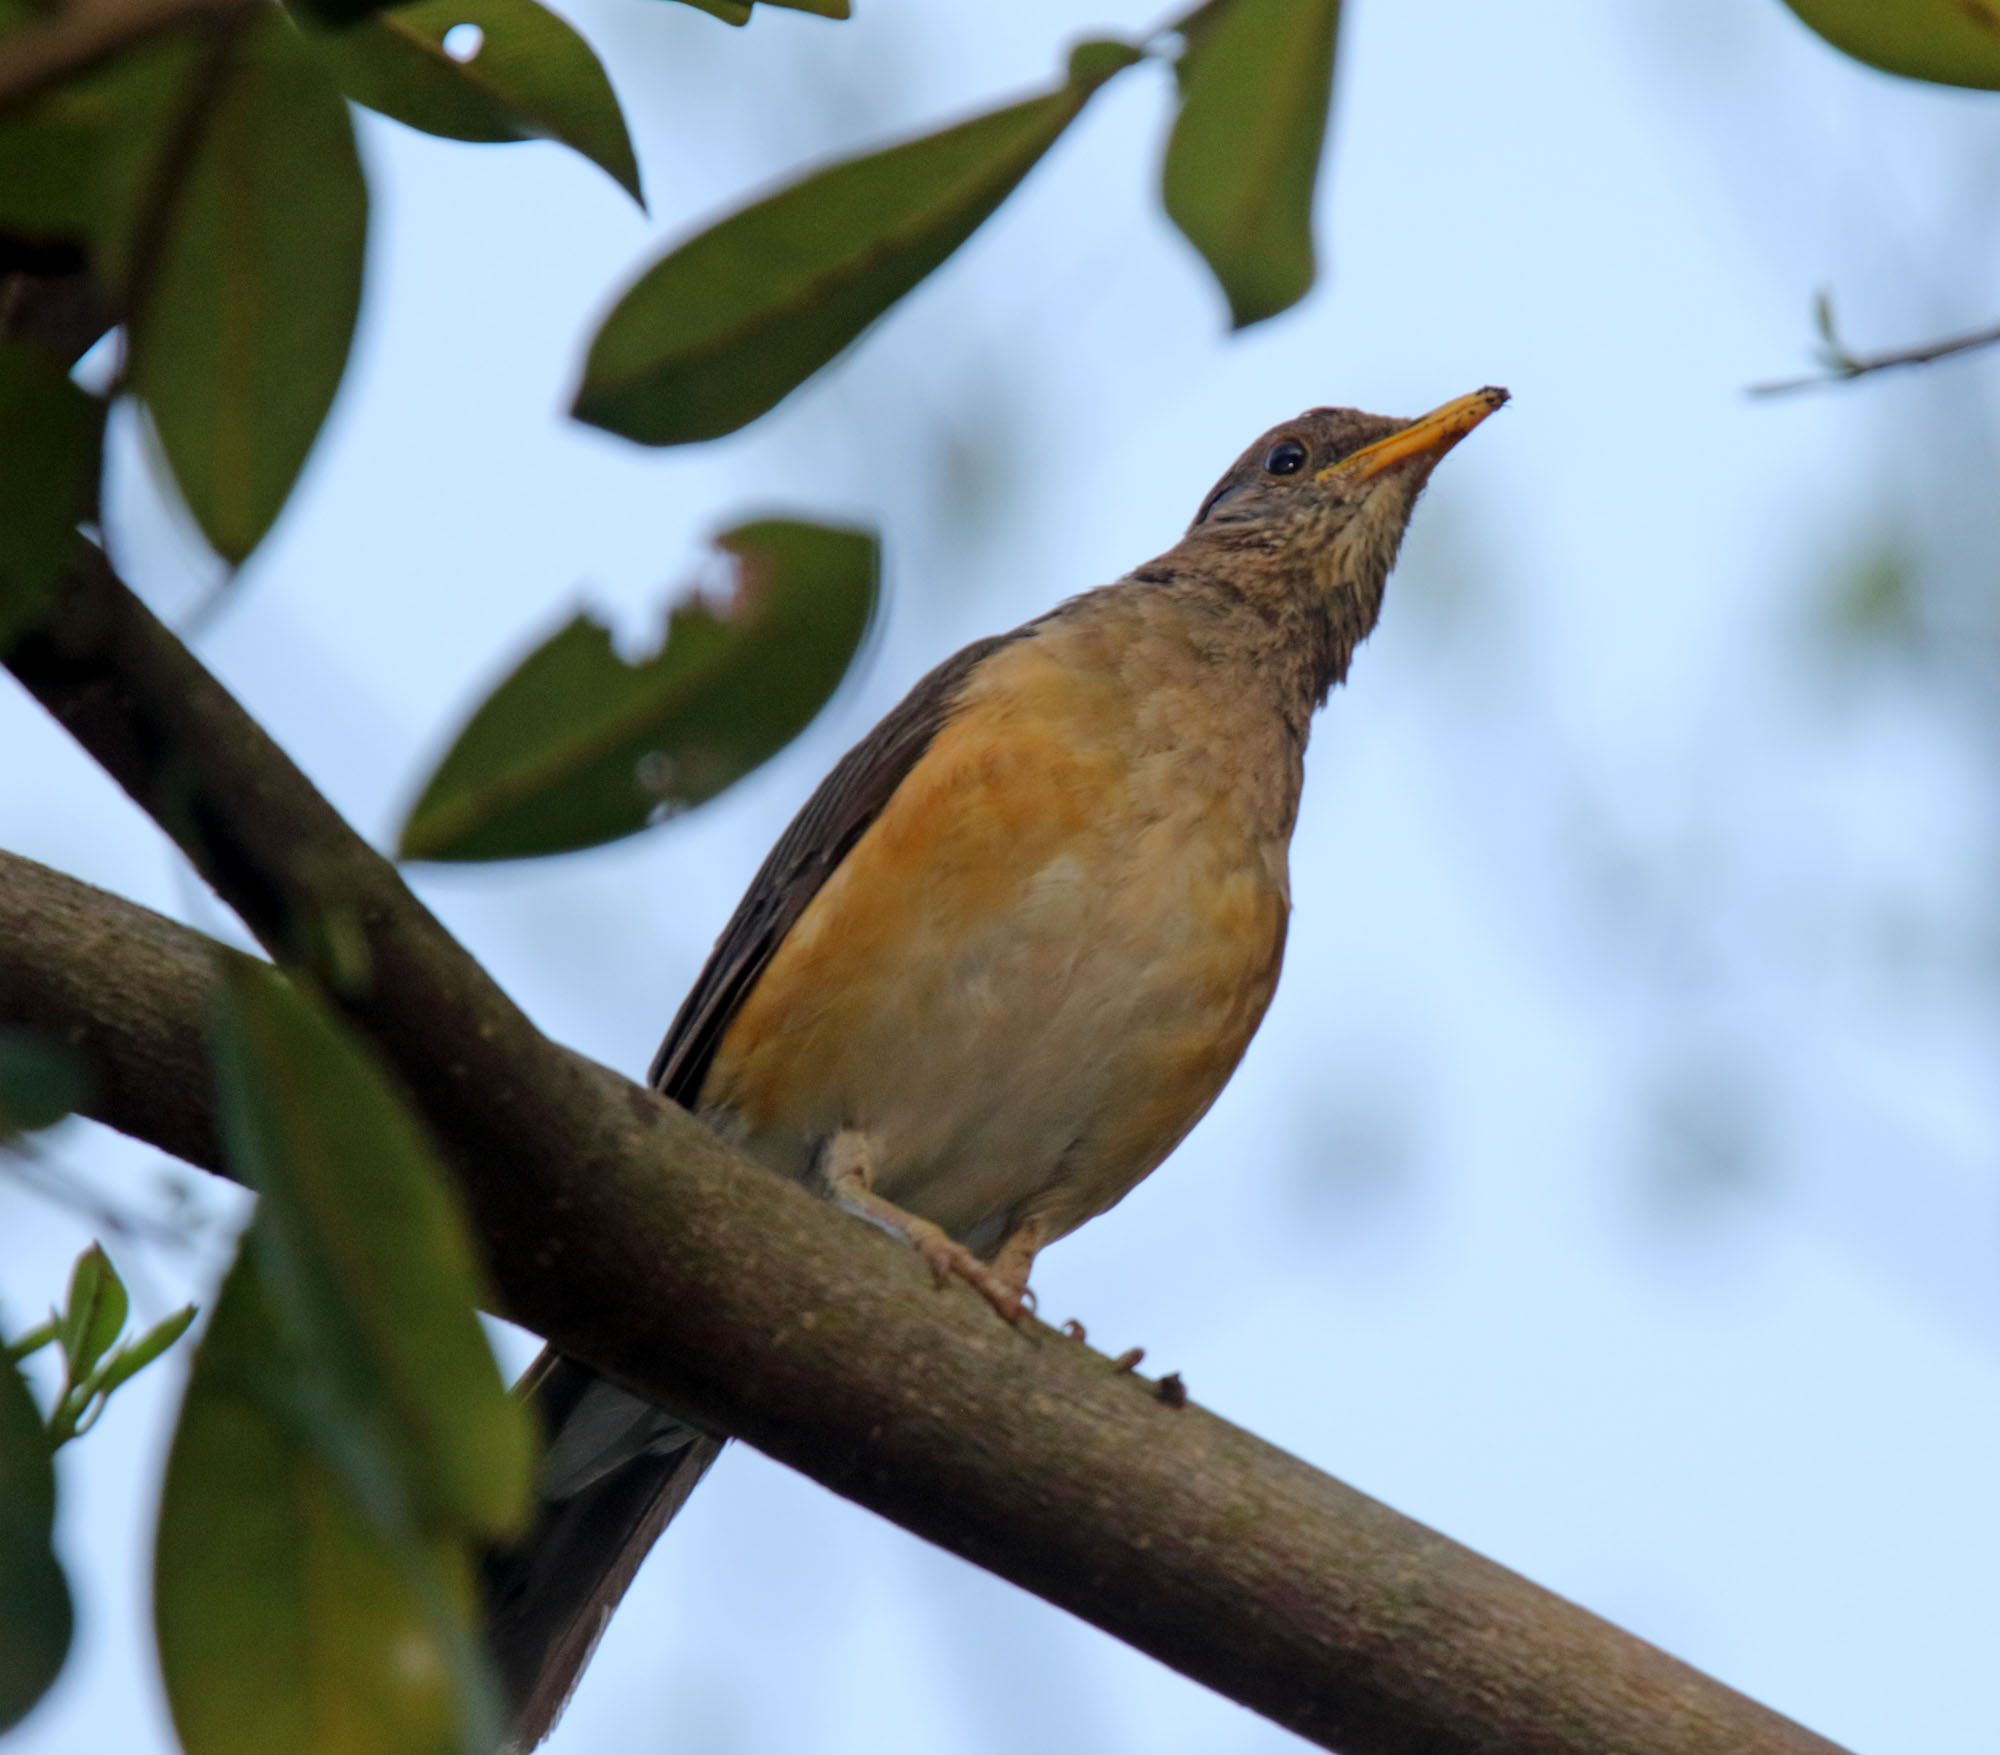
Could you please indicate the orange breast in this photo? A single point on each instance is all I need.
(1040, 964)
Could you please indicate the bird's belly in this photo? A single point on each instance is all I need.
(1025, 983)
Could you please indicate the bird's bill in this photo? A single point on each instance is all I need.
(1429, 437)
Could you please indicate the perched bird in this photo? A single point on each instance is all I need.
(1008, 953)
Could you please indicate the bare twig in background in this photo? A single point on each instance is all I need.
(1841, 365)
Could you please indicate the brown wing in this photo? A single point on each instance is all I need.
(819, 838)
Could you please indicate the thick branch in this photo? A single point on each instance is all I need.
(76, 37)
(619, 1227)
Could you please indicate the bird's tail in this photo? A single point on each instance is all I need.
(616, 1470)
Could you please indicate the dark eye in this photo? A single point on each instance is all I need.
(1286, 457)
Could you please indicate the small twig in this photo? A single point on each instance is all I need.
(1841, 365)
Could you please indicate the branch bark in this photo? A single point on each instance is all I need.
(619, 1227)
(80, 35)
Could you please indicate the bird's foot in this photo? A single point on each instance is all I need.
(951, 1260)
(848, 1168)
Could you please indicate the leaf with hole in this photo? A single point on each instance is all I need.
(730, 322)
(249, 271)
(1256, 77)
(580, 747)
(35, 1616)
(1948, 42)
(365, 1259)
(531, 77)
(288, 1618)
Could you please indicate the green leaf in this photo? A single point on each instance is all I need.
(532, 77)
(735, 12)
(40, 1082)
(366, 1261)
(251, 264)
(34, 1599)
(24, 1346)
(1948, 42)
(823, 8)
(93, 1313)
(287, 1619)
(578, 747)
(131, 1359)
(1256, 77)
(49, 439)
(731, 321)
(48, 166)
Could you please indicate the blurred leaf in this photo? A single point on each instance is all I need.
(346, 1438)
(532, 78)
(728, 323)
(735, 12)
(40, 1081)
(48, 165)
(366, 1261)
(34, 1599)
(49, 436)
(823, 8)
(24, 1346)
(91, 1321)
(1948, 42)
(1256, 78)
(578, 747)
(251, 271)
(93, 1313)
(287, 1620)
(130, 1360)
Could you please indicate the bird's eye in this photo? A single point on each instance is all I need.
(1286, 457)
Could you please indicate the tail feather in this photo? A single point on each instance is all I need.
(616, 1470)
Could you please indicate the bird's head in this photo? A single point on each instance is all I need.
(1322, 501)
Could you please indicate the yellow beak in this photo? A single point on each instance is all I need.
(1428, 438)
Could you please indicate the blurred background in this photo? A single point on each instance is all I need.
(1616, 1182)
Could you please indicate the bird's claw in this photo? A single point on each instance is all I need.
(952, 1260)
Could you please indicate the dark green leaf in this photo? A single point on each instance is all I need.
(735, 12)
(287, 1619)
(40, 1082)
(251, 270)
(727, 324)
(1949, 42)
(578, 747)
(93, 1314)
(365, 1258)
(34, 1599)
(49, 437)
(1256, 77)
(824, 8)
(532, 77)
(48, 166)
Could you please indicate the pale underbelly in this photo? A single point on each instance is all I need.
(1044, 1059)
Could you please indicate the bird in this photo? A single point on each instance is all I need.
(1007, 954)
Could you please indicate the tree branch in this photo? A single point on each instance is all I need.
(1843, 366)
(618, 1226)
(77, 36)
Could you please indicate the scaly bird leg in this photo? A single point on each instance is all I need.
(847, 1167)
